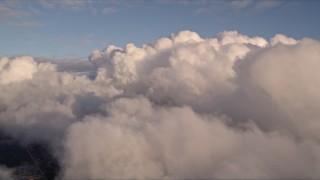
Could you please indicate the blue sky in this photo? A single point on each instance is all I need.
(72, 28)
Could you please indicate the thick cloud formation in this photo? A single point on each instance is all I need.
(230, 106)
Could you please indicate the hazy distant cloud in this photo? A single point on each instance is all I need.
(237, 6)
(14, 13)
(215, 7)
(27, 24)
(73, 3)
(265, 5)
(95, 7)
(240, 4)
(85, 42)
(8, 13)
(70, 4)
(64, 39)
(47, 4)
(109, 10)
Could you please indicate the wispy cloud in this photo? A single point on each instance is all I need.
(27, 24)
(70, 4)
(8, 13)
(85, 42)
(16, 13)
(234, 6)
(240, 4)
(109, 10)
(265, 5)
(31, 37)
(64, 39)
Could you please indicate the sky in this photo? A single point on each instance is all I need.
(164, 89)
(73, 28)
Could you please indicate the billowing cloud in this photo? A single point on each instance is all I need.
(287, 75)
(178, 143)
(17, 69)
(182, 106)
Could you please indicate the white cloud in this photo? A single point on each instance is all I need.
(288, 75)
(280, 38)
(17, 69)
(135, 142)
(184, 106)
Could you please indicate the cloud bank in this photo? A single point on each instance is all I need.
(230, 106)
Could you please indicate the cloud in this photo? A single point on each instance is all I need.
(6, 173)
(235, 6)
(280, 38)
(240, 4)
(27, 24)
(108, 10)
(79, 5)
(178, 143)
(18, 14)
(70, 4)
(183, 106)
(17, 69)
(85, 42)
(7, 13)
(291, 85)
(265, 5)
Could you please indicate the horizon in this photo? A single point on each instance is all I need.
(72, 29)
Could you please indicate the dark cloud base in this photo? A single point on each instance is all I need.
(28, 161)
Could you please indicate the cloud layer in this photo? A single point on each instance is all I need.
(229, 106)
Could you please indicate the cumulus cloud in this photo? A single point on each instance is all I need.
(184, 69)
(17, 69)
(178, 143)
(38, 102)
(183, 106)
(288, 75)
(280, 38)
